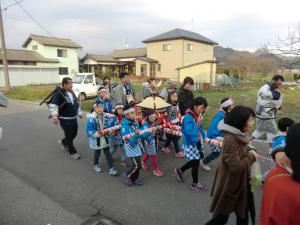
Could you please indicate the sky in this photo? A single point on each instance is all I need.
(101, 26)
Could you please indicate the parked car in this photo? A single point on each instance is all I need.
(86, 85)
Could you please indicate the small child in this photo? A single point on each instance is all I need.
(103, 98)
(115, 138)
(192, 128)
(149, 142)
(213, 132)
(133, 150)
(97, 138)
(173, 113)
(278, 145)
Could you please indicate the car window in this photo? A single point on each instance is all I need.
(88, 79)
(77, 79)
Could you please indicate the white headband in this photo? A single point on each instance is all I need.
(102, 90)
(130, 110)
(151, 116)
(227, 103)
(119, 106)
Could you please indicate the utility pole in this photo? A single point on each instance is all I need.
(3, 51)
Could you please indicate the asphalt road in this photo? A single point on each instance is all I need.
(40, 184)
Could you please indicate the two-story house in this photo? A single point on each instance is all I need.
(173, 55)
(182, 53)
(62, 49)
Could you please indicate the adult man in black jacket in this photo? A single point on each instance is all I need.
(64, 109)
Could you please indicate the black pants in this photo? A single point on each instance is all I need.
(134, 171)
(174, 139)
(222, 219)
(70, 131)
(194, 164)
(107, 156)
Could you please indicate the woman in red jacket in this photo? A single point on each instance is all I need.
(281, 199)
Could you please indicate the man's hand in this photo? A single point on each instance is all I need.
(282, 160)
(254, 153)
(154, 129)
(55, 120)
(81, 116)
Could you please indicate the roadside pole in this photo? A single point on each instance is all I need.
(3, 51)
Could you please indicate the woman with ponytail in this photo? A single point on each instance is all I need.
(281, 199)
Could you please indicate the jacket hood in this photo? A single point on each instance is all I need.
(232, 130)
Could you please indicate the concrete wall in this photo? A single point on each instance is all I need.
(201, 73)
(71, 61)
(26, 75)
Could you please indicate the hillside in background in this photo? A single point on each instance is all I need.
(244, 63)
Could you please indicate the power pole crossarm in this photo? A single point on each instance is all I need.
(3, 52)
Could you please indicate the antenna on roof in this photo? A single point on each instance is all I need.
(192, 21)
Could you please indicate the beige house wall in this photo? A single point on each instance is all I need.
(202, 73)
(169, 60)
(179, 55)
(138, 65)
(200, 52)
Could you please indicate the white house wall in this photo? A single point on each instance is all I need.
(26, 75)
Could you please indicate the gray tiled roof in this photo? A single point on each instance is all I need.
(26, 55)
(180, 34)
(129, 53)
(100, 58)
(52, 41)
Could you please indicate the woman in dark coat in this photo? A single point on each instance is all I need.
(231, 189)
(185, 95)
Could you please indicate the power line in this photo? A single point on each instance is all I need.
(28, 14)
(7, 7)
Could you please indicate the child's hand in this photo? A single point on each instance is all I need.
(154, 129)
(101, 132)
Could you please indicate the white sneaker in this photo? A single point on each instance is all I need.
(204, 167)
(75, 156)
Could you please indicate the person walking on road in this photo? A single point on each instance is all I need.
(65, 109)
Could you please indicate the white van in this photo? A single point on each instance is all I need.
(85, 85)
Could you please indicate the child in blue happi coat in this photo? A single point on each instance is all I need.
(102, 97)
(115, 138)
(149, 123)
(98, 140)
(213, 132)
(192, 129)
(130, 132)
(278, 145)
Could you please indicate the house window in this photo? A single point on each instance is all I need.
(63, 71)
(167, 47)
(34, 47)
(62, 53)
(158, 67)
(144, 69)
(189, 47)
